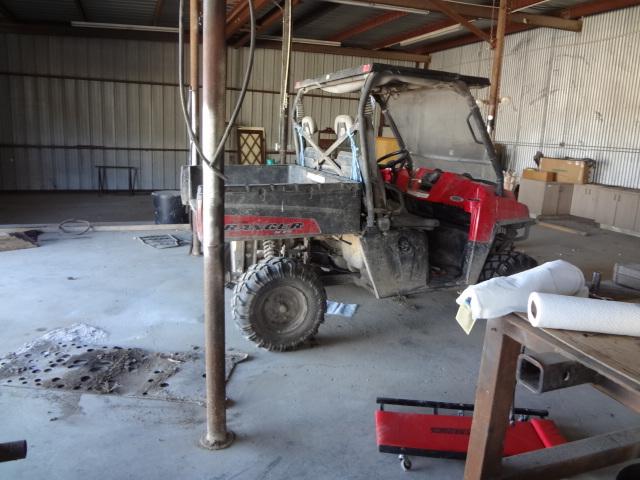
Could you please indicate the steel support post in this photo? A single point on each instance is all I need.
(194, 13)
(496, 68)
(283, 137)
(213, 122)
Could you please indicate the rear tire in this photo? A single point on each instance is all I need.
(279, 303)
(505, 264)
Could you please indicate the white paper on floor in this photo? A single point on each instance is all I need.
(502, 295)
(342, 309)
(584, 314)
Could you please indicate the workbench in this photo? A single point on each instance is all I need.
(616, 360)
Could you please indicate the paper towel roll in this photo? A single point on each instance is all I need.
(547, 310)
(502, 295)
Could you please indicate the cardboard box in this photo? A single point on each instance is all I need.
(545, 198)
(567, 170)
(533, 174)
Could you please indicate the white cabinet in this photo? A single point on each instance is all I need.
(616, 207)
(626, 210)
(584, 200)
(605, 209)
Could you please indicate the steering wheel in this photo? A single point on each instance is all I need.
(403, 154)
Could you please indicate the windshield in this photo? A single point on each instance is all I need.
(433, 124)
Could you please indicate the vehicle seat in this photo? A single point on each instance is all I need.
(309, 125)
(342, 124)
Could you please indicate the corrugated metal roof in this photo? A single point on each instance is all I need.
(327, 19)
(335, 21)
(404, 24)
(43, 10)
(136, 12)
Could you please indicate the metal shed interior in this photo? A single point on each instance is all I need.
(95, 273)
(59, 59)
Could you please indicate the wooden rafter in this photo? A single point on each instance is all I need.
(274, 16)
(477, 11)
(239, 16)
(366, 26)
(453, 14)
(157, 12)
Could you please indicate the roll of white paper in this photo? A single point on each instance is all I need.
(502, 295)
(547, 310)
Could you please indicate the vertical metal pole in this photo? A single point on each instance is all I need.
(213, 121)
(283, 136)
(196, 248)
(496, 68)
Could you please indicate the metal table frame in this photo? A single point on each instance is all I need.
(103, 183)
(504, 339)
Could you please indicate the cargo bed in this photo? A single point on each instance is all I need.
(286, 201)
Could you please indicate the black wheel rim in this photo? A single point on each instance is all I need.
(283, 308)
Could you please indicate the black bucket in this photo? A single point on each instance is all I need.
(630, 472)
(168, 208)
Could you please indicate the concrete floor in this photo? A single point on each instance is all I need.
(306, 414)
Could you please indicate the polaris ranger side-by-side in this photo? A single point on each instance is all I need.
(430, 214)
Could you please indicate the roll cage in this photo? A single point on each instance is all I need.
(375, 82)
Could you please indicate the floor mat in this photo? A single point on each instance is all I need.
(17, 241)
(78, 359)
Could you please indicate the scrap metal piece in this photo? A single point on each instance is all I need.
(13, 451)
(162, 241)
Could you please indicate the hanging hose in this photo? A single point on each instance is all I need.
(213, 162)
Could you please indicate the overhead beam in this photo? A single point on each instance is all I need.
(8, 14)
(416, 32)
(496, 68)
(367, 25)
(474, 11)
(239, 16)
(443, 7)
(591, 8)
(546, 21)
(347, 51)
(156, 12)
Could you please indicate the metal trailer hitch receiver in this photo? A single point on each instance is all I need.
(551, 371)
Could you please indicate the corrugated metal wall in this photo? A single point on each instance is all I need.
(570, 94)
(68, 104)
